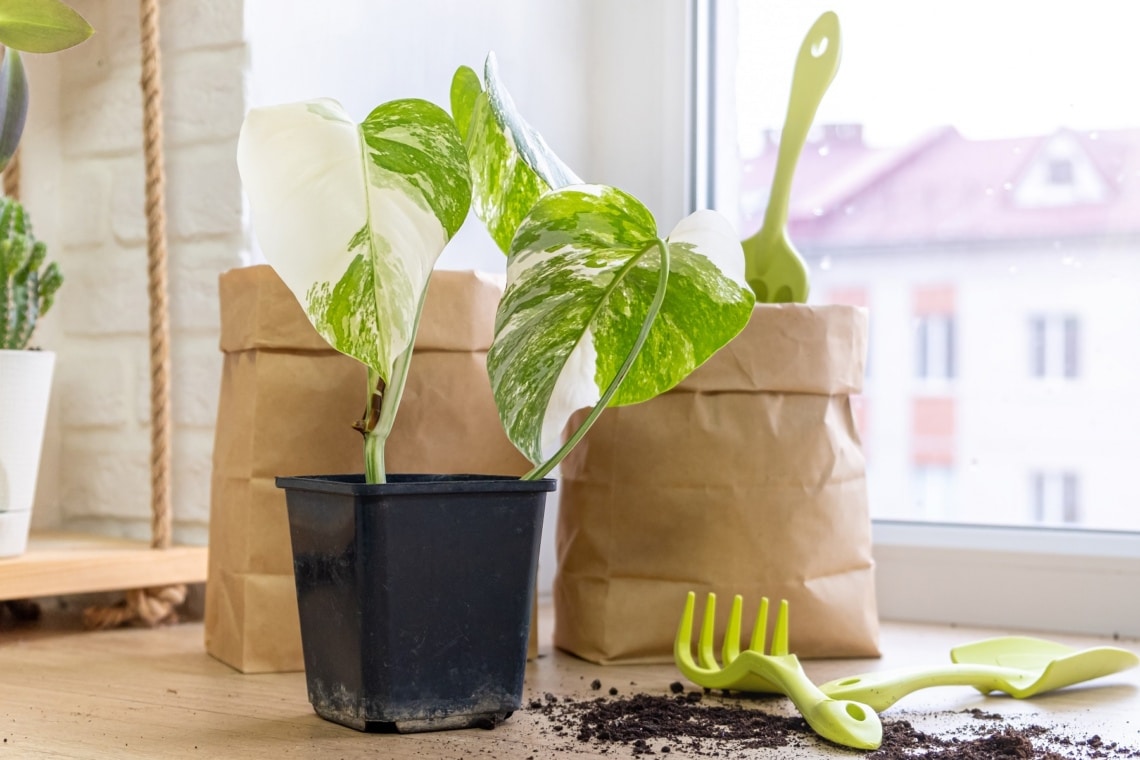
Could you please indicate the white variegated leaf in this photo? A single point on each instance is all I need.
(583, 271)
(511, 164)
(353, 217)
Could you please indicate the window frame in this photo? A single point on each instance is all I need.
(1056, 497)
(1055, 346)
(936, 350)
(1040, 578)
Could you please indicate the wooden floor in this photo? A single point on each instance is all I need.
(139, 693)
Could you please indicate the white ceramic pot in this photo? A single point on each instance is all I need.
(25, 388)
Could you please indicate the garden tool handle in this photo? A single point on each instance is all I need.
(816, 65)
(843, 721)
(881, 689)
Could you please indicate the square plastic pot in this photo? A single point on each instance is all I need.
(415, 596)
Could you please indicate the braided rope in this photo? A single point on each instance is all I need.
(160, 459)
(12, 177)
(153, 605)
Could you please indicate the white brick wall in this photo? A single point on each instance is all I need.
(98, 466)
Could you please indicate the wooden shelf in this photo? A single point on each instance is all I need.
(69, 563)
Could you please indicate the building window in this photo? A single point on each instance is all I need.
(934, 335)
(1055, 343)
(1055, 498)
(932, 486)
(1060, 171)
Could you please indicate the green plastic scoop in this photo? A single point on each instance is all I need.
(772, 266)
(1017, 665)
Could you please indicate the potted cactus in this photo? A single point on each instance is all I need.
(27, 285)
(27, 289)
(414, 589)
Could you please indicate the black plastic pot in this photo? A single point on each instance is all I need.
(415, 596)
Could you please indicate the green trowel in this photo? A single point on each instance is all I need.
(1020, 666)
(772, 266)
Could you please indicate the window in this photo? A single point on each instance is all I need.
(933, 491)
(1054, 346)
(995, 245)
(1055, 498)
(934, 335)
(1061, 171)
(934, 331)
(942, 213)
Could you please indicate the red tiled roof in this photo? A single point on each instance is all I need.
(946, 188)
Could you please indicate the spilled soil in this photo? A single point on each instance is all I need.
(694, 723)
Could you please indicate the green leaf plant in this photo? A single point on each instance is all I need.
(26, 290)
(599, 309)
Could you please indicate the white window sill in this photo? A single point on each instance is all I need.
(1041, 579)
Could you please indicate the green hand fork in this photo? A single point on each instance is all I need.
(843, 722)
(772, 266)
(1017, 665)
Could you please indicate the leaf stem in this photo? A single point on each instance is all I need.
(376, 436)
(650, 317)
(374, 458)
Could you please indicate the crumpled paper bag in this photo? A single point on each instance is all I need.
(747, 478)
(287, 405)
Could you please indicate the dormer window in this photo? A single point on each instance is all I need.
(1061, 174)
(1060, 171)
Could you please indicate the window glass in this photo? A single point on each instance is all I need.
(935, 346)
(1056, 498)
(933, 486)
(976, 186)
(1054, 342)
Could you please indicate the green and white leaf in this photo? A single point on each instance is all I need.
(353, 217)
(582, 274)
(41, 26)
(511, 164)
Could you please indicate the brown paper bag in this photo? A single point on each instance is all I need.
(447, 420)
(287, 406)
(748, 478)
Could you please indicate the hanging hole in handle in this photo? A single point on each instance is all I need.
(819, 47)
(856, 711)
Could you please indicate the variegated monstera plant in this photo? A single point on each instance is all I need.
(599, 309)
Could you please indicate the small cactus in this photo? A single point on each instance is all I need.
(26, 292)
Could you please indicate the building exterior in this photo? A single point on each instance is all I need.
(1001, 278)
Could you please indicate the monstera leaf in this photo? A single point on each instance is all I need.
(599, 311)
(511, 165)
(353, 217)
